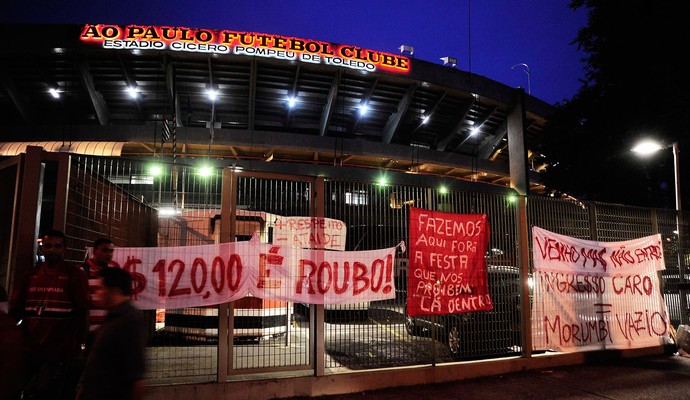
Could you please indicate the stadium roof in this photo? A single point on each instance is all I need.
(423, 118)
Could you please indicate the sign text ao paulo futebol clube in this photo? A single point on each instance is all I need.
(242, 43)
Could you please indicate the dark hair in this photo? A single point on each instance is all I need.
(118, 278)
(54, 233)
(100, 241)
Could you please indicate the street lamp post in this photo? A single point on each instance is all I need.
(526, 70)
(676, 169)
(647, 148)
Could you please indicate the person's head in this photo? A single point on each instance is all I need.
(53, 245)
(102, 251)
(114, 287)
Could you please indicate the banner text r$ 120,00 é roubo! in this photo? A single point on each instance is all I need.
(169, 277)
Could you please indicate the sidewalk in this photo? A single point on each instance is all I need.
(654, 377)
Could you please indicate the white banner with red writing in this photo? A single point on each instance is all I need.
(176, 277)
(591, 295)
(447, 270)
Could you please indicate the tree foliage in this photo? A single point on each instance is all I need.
(636, 86)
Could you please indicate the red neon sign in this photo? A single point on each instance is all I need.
(242, 43)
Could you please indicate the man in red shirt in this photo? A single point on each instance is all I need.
(51, 301)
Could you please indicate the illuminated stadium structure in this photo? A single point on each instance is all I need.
(280, 104)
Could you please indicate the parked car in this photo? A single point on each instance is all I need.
(479, 333)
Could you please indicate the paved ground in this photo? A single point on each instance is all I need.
(655, 377)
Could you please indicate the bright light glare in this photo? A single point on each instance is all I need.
(212, 94)
(291, 102)
(426, 119)
(156, 170)
(382, 181)
(167, 211)
(206, 171)
(132, 92)
(512, 198)
(54, 92)
(363, 109)
(443, 190)
(646, 148)
(474, 131)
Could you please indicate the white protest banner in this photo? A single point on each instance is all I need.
(176, 277)
(591, 295)
(310, 232)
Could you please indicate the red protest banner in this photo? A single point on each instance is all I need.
(447, 271)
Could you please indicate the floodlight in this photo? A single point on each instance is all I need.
(133, 92)
(291, 101)
(406, 49)
(156, 170)
(205, 171)
(449, 61)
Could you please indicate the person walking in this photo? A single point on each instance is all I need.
(51, 305)
(115, 366)
(101, 256)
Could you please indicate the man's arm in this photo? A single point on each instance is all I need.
(18, 300)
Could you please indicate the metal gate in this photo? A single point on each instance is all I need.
(266, 335)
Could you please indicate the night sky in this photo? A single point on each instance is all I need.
(487, 37)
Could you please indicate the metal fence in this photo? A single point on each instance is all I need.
(269, 337)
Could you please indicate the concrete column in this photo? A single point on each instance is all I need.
(517, 146)
(519, 180)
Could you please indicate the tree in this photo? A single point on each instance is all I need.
(635, 86)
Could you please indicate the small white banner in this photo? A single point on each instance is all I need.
(310, 232)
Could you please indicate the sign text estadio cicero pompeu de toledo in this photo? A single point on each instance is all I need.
(139, 37)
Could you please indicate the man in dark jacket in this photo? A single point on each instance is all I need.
(115, 366)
